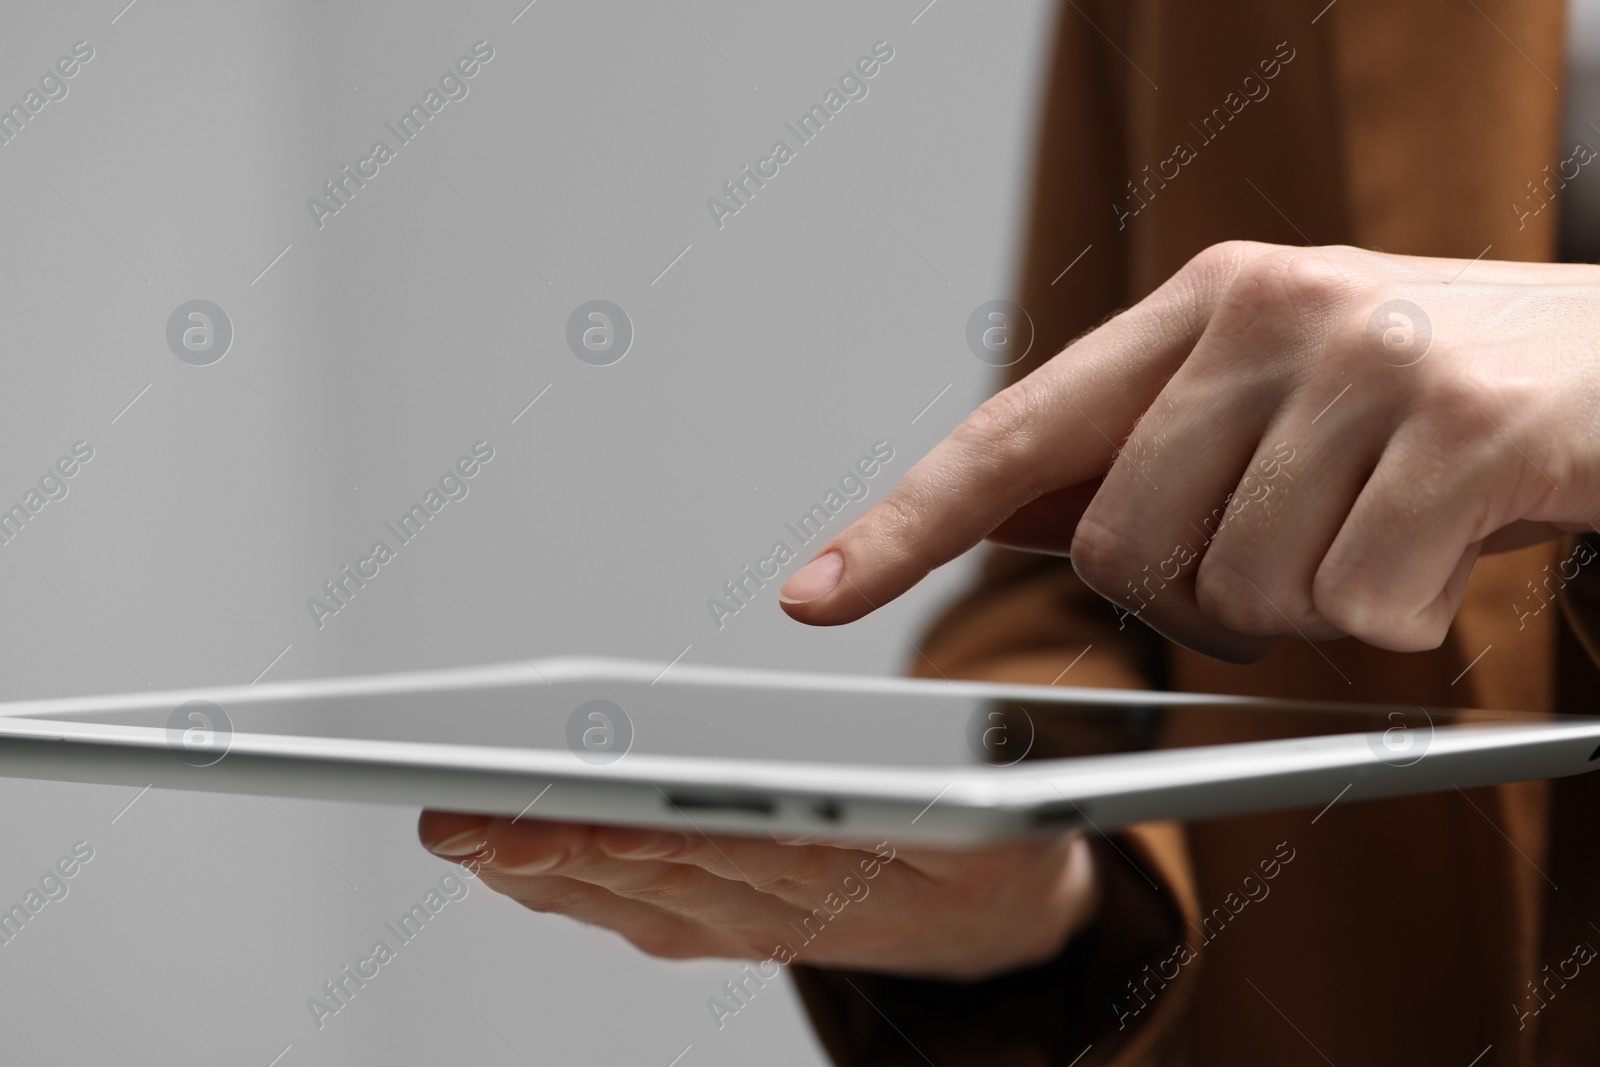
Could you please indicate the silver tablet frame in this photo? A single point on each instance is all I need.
(960, 805)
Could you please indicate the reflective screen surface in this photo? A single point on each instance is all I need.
(604, 719)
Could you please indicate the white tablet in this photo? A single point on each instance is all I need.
(748, 751)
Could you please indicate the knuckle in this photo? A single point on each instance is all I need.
(1314, 285)
(894, 519)
(1373, 619)
(751, 942)
(1227, 595)
(1462, 406)
(1100, 555)
(1002, 421)
(501, 882)
(799, 875)
(672, 889)
(1492, 427)
(1297, 280)
(550, 900)
(1222, 259)
(664, 943)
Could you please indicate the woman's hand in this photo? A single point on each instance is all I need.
(953, 915)
(1312, 442)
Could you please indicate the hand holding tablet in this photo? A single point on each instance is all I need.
(1347, 444)
(683, 895)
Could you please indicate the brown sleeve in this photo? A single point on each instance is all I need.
(1580, 601)
(1049, 1014)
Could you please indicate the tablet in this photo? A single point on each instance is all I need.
(757, 752)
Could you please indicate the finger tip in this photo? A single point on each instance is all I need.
(842, 602)
(799, 611)
(447, 833)
(818, 578)
(638, 843)
(433, 824)
(827, 611)
(535, 846)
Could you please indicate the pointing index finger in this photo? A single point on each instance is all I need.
(1058, 427)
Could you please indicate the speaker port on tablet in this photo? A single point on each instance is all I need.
(827, 809)
(740, 803)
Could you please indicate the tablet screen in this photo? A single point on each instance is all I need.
(600, 721)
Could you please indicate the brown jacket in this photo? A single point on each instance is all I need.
(1429, 930)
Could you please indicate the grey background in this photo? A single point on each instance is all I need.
(825, 316)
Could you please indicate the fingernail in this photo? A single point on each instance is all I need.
(815, 579)
(463, 844)
(537, 865)
(628, 843)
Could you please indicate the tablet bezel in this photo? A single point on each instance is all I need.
(958, 805)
